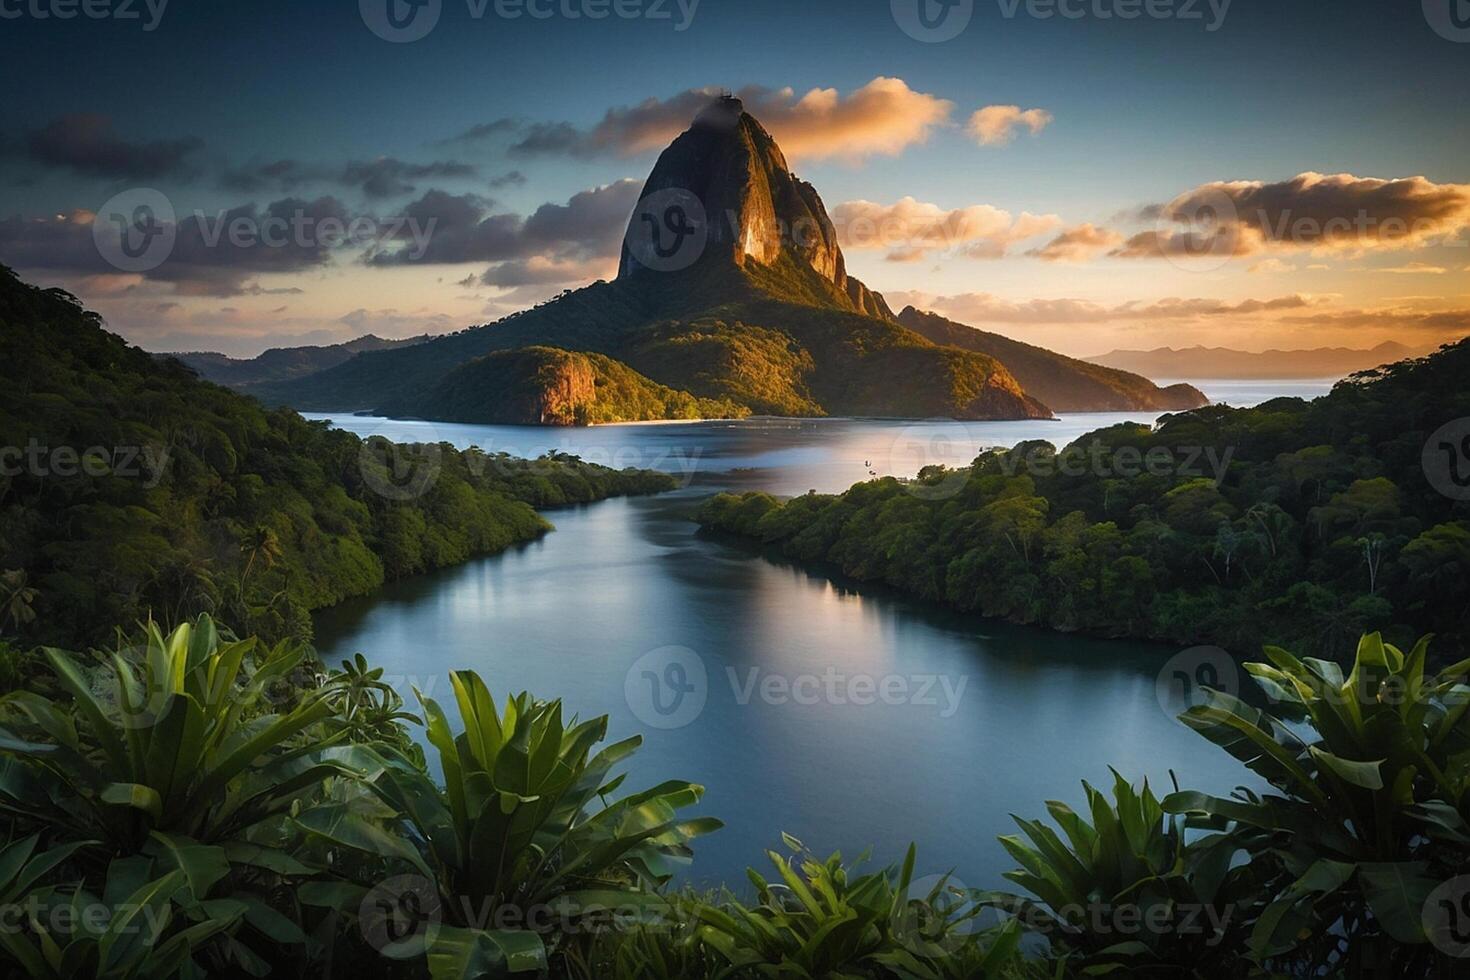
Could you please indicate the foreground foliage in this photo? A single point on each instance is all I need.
(194, 804)
(1367, 815)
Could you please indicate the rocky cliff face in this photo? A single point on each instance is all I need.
(527, 386)
(755, 209)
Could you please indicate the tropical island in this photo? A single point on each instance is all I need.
(753, 313)
(663, 490)
(267, 814)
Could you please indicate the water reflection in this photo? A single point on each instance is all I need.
(1010, 717)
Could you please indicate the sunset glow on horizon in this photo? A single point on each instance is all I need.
(1264, 181)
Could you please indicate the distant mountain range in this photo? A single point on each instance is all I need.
(282, 363)
(762, 318)
(1198, 363)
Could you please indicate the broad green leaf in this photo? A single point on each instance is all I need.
(1396, 892)
(1364, 774)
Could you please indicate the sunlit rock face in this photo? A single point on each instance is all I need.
(754, 206)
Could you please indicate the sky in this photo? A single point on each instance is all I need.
(1082, 174)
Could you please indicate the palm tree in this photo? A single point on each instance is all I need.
(259, 543)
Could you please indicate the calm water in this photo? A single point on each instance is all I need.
(847, 716)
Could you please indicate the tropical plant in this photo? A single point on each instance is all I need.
(523, 824)
(185, 741)
(1127, 891)
(822, 921)
(371, 709)
(1369, 808)
(158, 915)
(662, 945)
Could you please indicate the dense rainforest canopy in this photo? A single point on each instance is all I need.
(1294, 522)
(129, 488)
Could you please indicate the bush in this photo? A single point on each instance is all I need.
(264, 817)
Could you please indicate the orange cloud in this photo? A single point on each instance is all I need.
(996, 125)
(1317, 213)
(1273, 267)
(911, 228)
(882, 118)
(1077, 244)
(1415, 269)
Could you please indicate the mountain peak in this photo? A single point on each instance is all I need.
(724, 113)
(727, 177)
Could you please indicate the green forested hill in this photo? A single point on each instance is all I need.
(130, 487)
(772, 340)
(550, 386)
(1297, 523)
